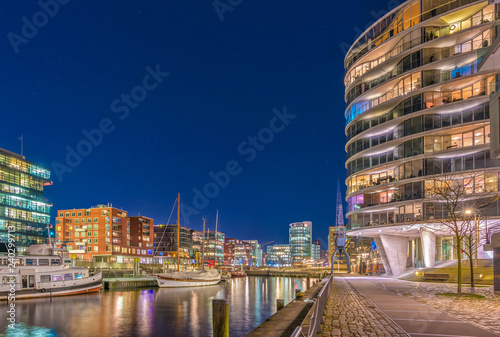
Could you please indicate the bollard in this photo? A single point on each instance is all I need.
(308, 282)
(220, 318)
(297, 291)
(280, 304)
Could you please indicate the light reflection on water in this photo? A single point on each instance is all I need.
(152, 312)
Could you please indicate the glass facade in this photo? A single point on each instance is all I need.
(24, 212)
(418, 109)
(278, 256)
(300, 240)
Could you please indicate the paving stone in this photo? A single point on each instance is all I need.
(353, 315)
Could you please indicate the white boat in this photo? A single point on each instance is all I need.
(43, 271)
(195, 278)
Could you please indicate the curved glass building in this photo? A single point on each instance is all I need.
(419, 84)
(300, 240)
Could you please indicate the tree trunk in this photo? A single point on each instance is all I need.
(471, 274)
(459, 273)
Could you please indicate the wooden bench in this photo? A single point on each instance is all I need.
(436, 277)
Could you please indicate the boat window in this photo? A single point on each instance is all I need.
(78, 275)
(68, 276)
(8, 279)
(19, 262)
(43, 262)
(57, 278)
(3, 262)
(31, 262)
(44, 278)
(55, 262)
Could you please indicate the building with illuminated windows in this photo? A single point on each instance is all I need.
(419, 83)
(256, 258)
(24, 212)
(214, 248)
(105, 234)
(237, 252)
(278, 256)
(300, 241)
(165, 244)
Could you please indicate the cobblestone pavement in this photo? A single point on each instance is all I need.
(484, 313)
(350, 313)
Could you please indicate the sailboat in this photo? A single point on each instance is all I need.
(187, 278)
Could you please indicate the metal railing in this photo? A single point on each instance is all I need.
(318, 311)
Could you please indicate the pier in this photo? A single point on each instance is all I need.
(129, 283)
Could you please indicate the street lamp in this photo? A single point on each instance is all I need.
(476, 234)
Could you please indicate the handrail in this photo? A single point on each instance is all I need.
(319, 309)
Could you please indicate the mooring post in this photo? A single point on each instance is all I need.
(220, 318)
(280, 304)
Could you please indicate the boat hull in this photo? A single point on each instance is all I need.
(238, 275)
(62, 291)
(179, 283)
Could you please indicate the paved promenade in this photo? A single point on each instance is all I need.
(361, 306)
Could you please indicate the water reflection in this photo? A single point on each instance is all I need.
(152, 312)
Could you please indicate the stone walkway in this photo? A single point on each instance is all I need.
(370, 306)
(350, 313)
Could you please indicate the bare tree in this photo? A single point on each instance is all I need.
(461, 196)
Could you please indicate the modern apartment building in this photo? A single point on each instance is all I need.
(419, 83)
(300, 240)
(24, 212)
(278, 256)
(104, 234)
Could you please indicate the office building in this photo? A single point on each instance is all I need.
(24, 212)
(300, 240)
(278, 256)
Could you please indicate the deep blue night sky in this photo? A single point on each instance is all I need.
(226, 77)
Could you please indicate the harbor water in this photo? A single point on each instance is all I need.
(172, 312)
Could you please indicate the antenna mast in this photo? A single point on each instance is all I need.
(178, 228)
(339, 221)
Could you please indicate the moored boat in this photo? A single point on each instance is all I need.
(44, 271)
(239, 273)
(188, 279)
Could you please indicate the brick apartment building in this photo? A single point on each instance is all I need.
(105, 234)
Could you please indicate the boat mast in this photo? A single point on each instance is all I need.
(215, 236)
(203, 245)
(178, 228)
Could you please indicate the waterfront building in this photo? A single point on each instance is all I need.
(300, 240)
(104, 234)
(278, 256)
(140, 231)
(256, 258)
(165, 244)
(24, 212)
(419, 83)
(214, 247)
(237, 252)
(316, 252)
